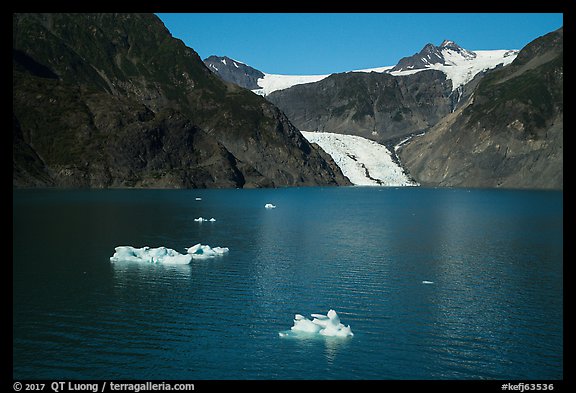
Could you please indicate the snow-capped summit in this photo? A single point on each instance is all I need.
(460, 65)
(448, 53)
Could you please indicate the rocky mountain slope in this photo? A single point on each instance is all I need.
(387, 103)
(509, 133)
(373, 105)
(113, 100)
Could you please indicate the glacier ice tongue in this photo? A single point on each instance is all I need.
(325, 325)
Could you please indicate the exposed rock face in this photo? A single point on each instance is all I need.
(373, 105)
(234, 71)
(510, 133)
(107, 100)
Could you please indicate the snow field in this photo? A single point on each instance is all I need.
(460, 69)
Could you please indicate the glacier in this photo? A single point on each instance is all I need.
(460, 69)
(273, 82)
(325, 325)
(363, 161)
(165, 255)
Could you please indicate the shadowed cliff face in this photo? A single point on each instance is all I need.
(374, 105)
(105, 100)
(510, 133)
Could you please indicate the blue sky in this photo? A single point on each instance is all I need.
(323, 43)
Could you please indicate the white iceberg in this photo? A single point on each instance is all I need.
(151, 255)
(166, 255)
(199, 251)
(202, 219)
(325, 325)
(270, 206)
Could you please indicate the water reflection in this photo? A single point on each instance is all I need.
(309, 343)
(148, 272)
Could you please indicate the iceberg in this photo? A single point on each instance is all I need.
(202, 219)
(166, 255)
(270, 206)
(151, 255)
(325, 325)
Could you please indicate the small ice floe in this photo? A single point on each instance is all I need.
(199, 251)
(427, 282)
(325, 325)
(270, 206)
(202, 219)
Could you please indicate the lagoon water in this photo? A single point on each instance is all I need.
(435, 284)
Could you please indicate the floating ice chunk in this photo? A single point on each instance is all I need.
(199, 251)
(151, 255)
(270, 206)
(325, 325)
(305, 325)
(202, 219)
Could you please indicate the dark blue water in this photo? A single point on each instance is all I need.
(493, 311)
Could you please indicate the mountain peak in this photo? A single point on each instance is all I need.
(448, 53)
(234, 71)
(448, 43)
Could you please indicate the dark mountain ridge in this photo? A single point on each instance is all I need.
(113, 100)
